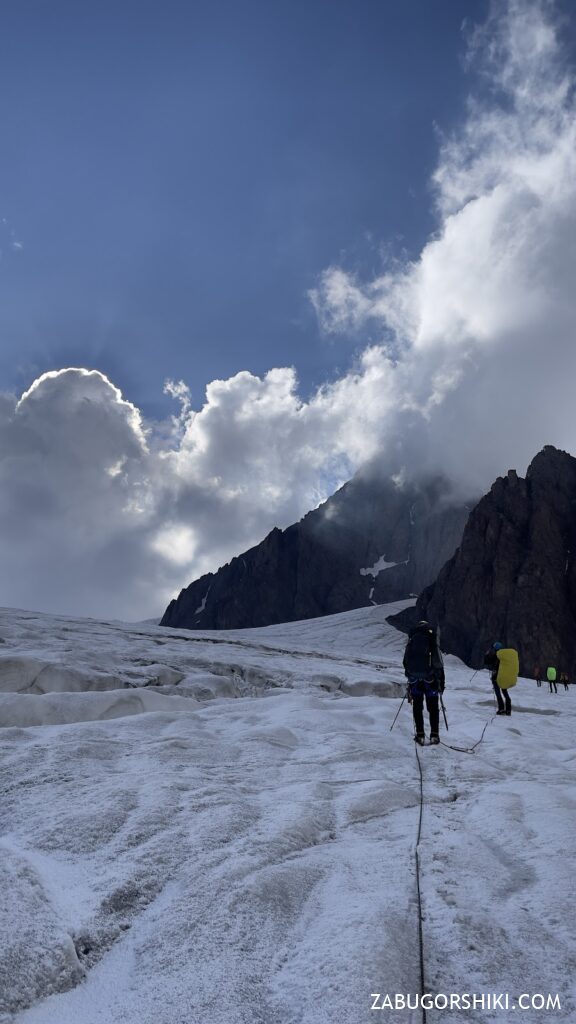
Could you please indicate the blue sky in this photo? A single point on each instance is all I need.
(179, 174)
(343, 232)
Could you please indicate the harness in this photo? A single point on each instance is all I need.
(423, 687)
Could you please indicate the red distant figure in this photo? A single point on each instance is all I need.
(564, 679)
(538, 675)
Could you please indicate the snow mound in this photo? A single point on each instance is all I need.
(38, 954)
(30, 675)
(23, 710)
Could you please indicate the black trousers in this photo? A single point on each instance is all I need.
(503, 705)
(418, 710)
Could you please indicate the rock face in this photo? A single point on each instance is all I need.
(513, 578)
(320, 565)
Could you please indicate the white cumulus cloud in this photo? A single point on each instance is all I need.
(483, 323)
(103, 515)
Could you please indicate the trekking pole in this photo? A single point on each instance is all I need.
(474, 674)
(444, 712)
(397, 713)
(494, 694)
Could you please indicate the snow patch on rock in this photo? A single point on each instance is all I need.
(380, 566)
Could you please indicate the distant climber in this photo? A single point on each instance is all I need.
(564, 679)
(538, 675)
(424, 670)
(551, 677)
(503, 665)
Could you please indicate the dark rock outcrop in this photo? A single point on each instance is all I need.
(513, 578)
(315, 567)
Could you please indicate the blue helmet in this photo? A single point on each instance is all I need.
(498, 646)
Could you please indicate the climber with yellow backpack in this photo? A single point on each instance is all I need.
(504, 667)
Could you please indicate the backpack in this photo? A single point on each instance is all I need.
(508, 668)
(419, 654)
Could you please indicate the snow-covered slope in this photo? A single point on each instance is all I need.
(220, 828)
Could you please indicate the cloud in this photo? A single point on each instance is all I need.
(104, 514)
(75, 505)
(9, 241)
(483, 323)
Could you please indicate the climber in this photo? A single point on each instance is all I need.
(424, 670)
(503, 664)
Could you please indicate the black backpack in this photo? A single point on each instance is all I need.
(419, 653)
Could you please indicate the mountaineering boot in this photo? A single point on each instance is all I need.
(508, 711)
(501, 711)
(420, 738)
(434, 738)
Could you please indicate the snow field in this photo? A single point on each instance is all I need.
(205, 859)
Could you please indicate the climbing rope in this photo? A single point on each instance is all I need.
(418, 887)
(463, 750)
(469, 750)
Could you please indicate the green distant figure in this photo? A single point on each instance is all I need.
(551, 677)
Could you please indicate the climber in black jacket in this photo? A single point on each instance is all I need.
(424, 670)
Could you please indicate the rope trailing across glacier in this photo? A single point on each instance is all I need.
(418, 887)
(469, 750)
(463, 750)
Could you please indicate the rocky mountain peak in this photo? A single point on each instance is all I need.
(373, 541)
(513, 577)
